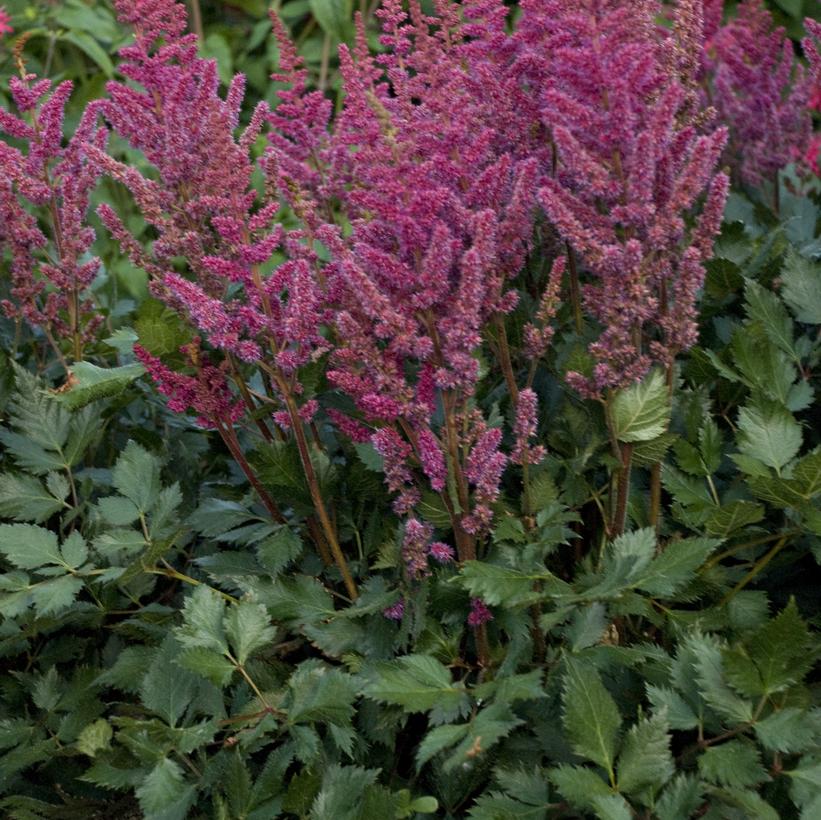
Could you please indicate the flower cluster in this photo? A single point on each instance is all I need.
(51, 268)
(760, 91)
(5, 20)
(630, 168)
(410, 215)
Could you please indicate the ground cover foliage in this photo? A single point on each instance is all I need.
(431, 431)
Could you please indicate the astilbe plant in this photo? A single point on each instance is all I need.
(206, 212)
(760, 91)
(415, 211)
(630, 168)
(441, 208)
(51, 267)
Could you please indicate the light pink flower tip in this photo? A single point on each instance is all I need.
(479, 613)
(395, 612)
(5, 19)
(443, 553)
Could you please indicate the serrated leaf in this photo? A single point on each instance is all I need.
(118, 511)
(801, 288)
(641, 412)
(203, 614)
(54, 596)
(29, 547)
(645, 761)
(417, 683)
(790, 730)
(769, 310)
(321, 693)
(167, 689)
(779, 650)
(709, 669)
(95, 737)
(90, 383)
(676, 566)
(733, 516)
(136, 475)
(579, 785)
(490, 725)
(506, 586)
(735, 764)
(163, 787)
(248, 628)
(612, 807)
(74, 550)
(586, 626)
(769, 434)
(211, 665)
(438, 739)
(590, 714)
(678, 712)
(680, 799)
(24, 498)
(278, 550)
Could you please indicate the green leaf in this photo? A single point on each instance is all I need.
(216, 47)
(29, 547)
(790, 730)
(343, 788)
(677, 711)
(733, 516)
(506, 586)
(780, 651)
(333, 16)
(203, 614)
(709, 669)
(118, 511)
(680, 799)
(806, 784)
(278, 550)
(612, 807)
(769, 434)
(30, 455)
(792, 7)
(248, 628)
(590, 714)
(764, 306)
(90, 383)
(321, 693)
(417, 683)
(677, 565)
(136, 475)
(735, 764)
(159, 329)
(579, 785)
(587, 626)
(95, 737)
(489, 726)
(87, 44)
(55, 596)
(167, 689)
(25, 498)
(645, 761)
(211, 665)
(801, 288)
(302, 599)
(641, 412)
(438, 739)
(163, 786)
(74, 550)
